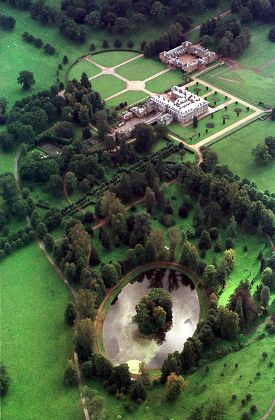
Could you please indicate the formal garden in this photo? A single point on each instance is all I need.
(137, 275)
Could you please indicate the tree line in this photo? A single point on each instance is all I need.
(37, 42)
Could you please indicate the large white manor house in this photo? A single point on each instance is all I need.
(181, 104)
(178, 105)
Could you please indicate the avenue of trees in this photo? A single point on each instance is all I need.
(38, 43)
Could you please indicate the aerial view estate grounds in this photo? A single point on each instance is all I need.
(137, 199)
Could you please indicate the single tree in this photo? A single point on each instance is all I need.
(174, 385)
(26, 79)
(70, 375)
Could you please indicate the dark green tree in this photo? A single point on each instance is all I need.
(26, 79)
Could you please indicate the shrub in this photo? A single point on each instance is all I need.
(138, 391)
(183, 212)
(169, 209)
(214, 233)
(117, 43)
(229, 244)
(253, 409)
(4, 380)
(130, 44)
(271, 34)
(70, 314)
(190, 233)
(167, 220)
(70, 375)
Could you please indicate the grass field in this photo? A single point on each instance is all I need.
(165, 81)
(83, 66)
(198, 89)
(6, 161)
(141, 69)
(235, 151)
(207, 122)
(253, 76)
(38, 192)
(113, 58)
(131, 97)
(36, 344)
(215, 99)
(107, 85)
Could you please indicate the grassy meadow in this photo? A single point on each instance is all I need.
(36, 343)
(131, 97)
(235, 149)
(108, 85)
(113, 58)
(141, 69)
(165, 81)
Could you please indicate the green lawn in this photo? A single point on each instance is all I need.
(165, 81)
(83, 66)
(141, 69)
(235, 151)
(6, 160)
(36, 344)
(215, 99)
(184, 133)
(198, 89)
(107, 85)
(131, 97)
(253, 76)
(38, 192)
(191, 135)
(113, 58)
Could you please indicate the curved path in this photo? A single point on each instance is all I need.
(114, 291)
(60, 275)
(269, 411)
